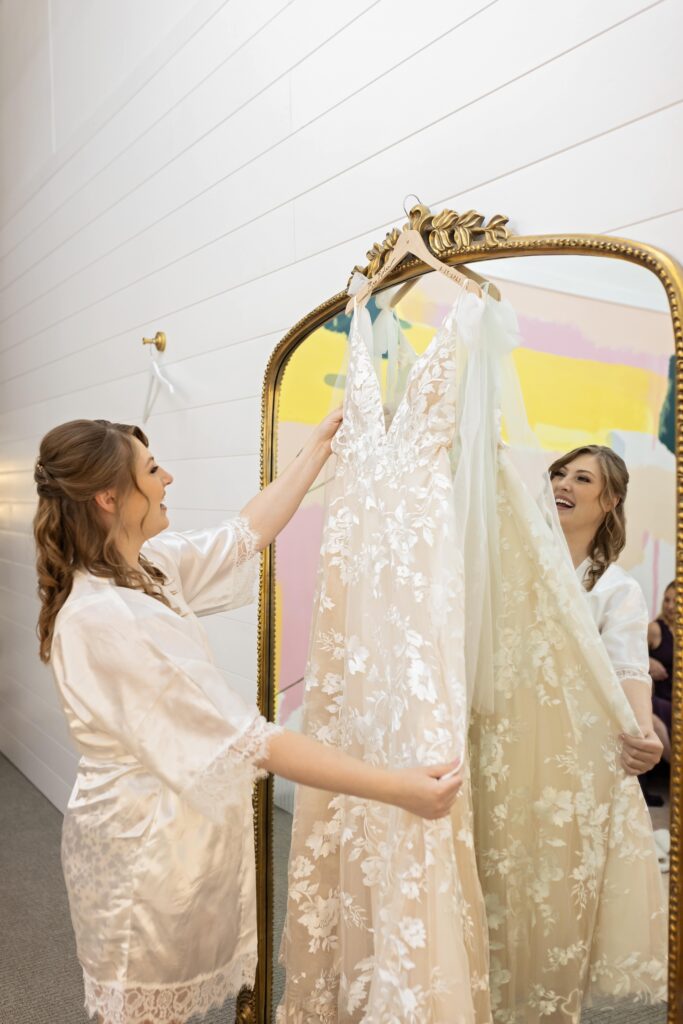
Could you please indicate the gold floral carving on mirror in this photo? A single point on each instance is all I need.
(461, 239)
(445, 233)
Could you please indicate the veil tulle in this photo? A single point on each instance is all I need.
(490, 406)
(493, 436)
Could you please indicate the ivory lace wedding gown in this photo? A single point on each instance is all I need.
(385, 919)
(435, 548)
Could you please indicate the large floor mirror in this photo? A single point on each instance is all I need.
(597, 365)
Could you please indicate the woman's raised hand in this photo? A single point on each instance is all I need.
(328, 427)
(270, 510)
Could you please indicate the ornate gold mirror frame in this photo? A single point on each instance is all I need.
(456, 239)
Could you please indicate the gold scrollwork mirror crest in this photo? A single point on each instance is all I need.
(444, 233)
(457, 239)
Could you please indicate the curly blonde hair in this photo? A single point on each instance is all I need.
(78, 460)
(610, 538)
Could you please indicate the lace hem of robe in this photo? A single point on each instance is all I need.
(212, 791)
(119, 1003)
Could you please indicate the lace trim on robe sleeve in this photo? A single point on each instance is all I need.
(212, 792)
(246, 541)
(639, 674)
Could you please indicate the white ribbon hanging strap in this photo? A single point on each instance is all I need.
(157, 381)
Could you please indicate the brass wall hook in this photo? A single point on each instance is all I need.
(159, 341)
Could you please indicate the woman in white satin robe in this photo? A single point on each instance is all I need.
(159, 889)
(589, 485)
(157, 846)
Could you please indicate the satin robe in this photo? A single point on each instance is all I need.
(619, 610)
(157, 845)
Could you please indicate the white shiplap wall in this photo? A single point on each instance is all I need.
(213, 168)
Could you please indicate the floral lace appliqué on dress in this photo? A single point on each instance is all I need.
(385, 917)
(564, 842)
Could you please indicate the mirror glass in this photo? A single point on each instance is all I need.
(596, 366)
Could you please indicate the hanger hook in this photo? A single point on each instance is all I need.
(411, 195)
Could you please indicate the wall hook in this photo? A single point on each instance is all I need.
(159, 341)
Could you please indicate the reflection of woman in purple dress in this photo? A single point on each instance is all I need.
(661, 644)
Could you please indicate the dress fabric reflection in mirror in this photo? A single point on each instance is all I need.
(594, 367)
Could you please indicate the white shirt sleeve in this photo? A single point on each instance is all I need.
(622, 621)
(216, 569)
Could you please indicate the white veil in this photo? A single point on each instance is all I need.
(493, 436)
(490, 407)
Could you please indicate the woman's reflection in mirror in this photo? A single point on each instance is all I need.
(590, 485)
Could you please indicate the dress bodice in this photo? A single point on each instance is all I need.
(424, 420)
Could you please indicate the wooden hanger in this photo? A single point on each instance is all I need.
(411, 243)
(493, 292)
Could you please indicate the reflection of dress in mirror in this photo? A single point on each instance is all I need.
(385, 915)
(564, 841)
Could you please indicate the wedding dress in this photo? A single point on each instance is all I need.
(386, 921)
(564, 841)
(444, 581)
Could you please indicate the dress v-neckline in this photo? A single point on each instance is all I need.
(422, 360)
